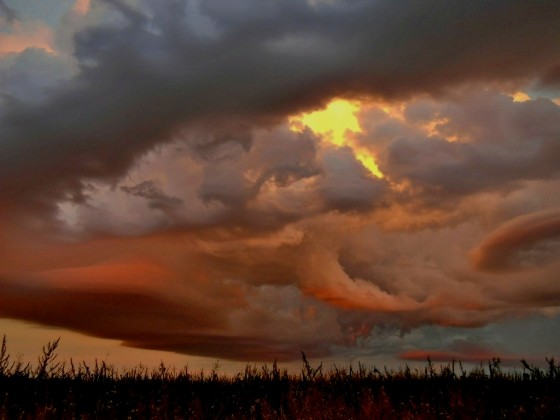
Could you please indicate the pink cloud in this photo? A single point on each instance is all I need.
(460, 351)
(24, 35)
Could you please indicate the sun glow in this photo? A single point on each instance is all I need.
(520, 97)
(335, 124)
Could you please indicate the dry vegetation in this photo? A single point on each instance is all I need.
(54, 389)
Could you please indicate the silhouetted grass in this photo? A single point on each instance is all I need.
(56, 389)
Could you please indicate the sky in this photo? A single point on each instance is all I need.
(243, 180)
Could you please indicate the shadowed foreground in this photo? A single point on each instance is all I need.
(53, 389)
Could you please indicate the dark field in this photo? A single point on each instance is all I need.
(53, 389)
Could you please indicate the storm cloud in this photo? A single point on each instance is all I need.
(154, 191)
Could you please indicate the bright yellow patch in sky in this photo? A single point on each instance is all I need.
(332, 122)
(335, 124)
(520, 97)
(369, 162)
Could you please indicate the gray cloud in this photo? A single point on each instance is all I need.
(30, 77)
(348, 185)
(9, 13)
(496, 144)
(156, 198)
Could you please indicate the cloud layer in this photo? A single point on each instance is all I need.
(153, 191)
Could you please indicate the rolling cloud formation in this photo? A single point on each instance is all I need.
(153, 190)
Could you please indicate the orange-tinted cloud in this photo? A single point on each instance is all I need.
(523, 242)
(161, 292)
(27, 35)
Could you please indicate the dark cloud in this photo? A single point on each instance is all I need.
(149, 75)
(8, 13)
(30, 76)
(551, 78)
(347, 184)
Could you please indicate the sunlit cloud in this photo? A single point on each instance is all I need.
(521, 97)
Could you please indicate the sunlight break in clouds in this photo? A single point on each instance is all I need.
(247, 179)
(336, 123)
